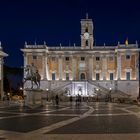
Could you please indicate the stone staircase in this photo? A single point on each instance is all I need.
(60, 88)
(103, 89)
(113, 93)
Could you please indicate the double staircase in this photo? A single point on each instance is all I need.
(113, 93)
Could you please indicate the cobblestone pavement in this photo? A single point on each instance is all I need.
(93, 121)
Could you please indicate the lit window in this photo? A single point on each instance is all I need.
(53, 76)
(127, 75)
(97, 58)
(97, 76)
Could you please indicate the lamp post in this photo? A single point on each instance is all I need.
(47, 98)
(97, 93)
(110, 94)
(20, 91)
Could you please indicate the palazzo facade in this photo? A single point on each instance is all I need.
(87, 69)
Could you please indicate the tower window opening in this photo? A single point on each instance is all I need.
(86, 30)
(86, 42)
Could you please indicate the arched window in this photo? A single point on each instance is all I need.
(82, 77)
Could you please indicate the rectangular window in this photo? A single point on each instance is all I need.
(67, 58)
(34, 57)
(97, 58)
(127, 56)
(53, 58)
(67, 76)
(82, 58)
(53, 76)
(111, 58)
(97, 76)
(111, 76)
(127, 75)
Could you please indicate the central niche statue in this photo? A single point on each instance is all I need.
(32, 75)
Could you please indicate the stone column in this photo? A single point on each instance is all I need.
(90, 68)
(137, 66)
(60, 67)
(118, 66)
(1, 77)
(47, 69)
(73, 68)
(44, 67)
(104, 67)
(25, 62)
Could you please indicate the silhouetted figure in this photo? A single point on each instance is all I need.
(57, 100)
(76, 100)
(71, 100)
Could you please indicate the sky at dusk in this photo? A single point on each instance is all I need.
(58, 21)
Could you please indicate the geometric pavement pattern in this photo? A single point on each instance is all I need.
(97, 120)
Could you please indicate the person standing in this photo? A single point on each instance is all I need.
(70, 100)
(57, 100)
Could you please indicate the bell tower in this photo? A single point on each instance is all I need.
(87, 33)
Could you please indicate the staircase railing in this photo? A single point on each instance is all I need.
(60, 87)
(105, 90)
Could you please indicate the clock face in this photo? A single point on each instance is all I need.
(86, 35)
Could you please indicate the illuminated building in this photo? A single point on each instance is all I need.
(86, 69)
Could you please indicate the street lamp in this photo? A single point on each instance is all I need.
(110, 94)
(20, 91)
(97, 94)
(47, 94)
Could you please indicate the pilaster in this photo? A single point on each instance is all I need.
(118, 66)
(104, 67)
(60, 67)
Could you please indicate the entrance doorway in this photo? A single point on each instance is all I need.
(82, 76)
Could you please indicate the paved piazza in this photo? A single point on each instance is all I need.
(92, 121)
